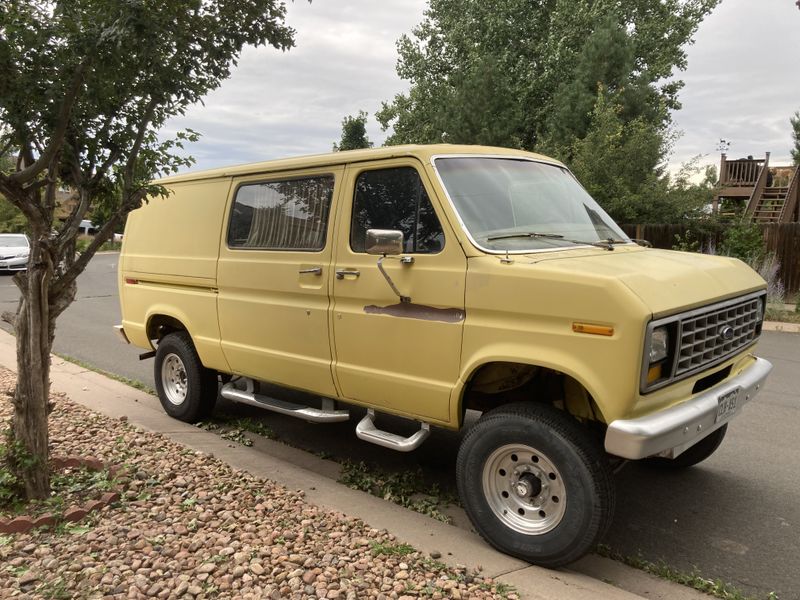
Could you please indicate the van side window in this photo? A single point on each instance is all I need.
(282, 215)
(395, 199)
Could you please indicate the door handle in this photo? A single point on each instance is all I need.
(342, 273)
(311, 271)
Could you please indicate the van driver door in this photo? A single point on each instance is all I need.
(403, 356)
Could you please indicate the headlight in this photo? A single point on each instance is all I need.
(760, 311)
(22, 255)
(659, 344)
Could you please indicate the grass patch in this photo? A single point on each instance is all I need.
(693, 579)
(233, 428)
(390, 549)
(784, 316)
(406, 488)
(82, 243)
(55, 589)
(67, 487)
(89, 367)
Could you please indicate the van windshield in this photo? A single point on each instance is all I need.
(516, 205)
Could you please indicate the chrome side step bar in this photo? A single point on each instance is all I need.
(366, 430)
(326, 414)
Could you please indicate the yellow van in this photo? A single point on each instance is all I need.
(425, 281)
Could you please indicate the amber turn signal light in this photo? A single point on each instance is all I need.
(592, 329)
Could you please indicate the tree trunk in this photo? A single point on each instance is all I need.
(34, 330)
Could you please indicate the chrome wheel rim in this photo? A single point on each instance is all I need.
(524, 489)
(173, 379)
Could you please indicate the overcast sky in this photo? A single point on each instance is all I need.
(742, 83)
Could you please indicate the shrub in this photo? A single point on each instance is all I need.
(768, 267)
(744, 241)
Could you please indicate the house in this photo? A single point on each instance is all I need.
(761, 192)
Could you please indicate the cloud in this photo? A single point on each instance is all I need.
(741, 83)
(282, 104)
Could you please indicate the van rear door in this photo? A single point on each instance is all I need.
(273, 279)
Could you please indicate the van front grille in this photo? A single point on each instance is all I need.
(716, 333)
(702, 338)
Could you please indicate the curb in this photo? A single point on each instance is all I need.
(296, 469)
(781, 326)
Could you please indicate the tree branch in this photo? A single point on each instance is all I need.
(27, 174)
(101, 133)
(137, 144)
(70, 228)
(65, 279)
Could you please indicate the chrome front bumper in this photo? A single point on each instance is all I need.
(671, 431)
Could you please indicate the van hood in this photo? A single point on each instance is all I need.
(666, 281)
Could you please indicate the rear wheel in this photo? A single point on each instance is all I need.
(534, 483)
(696, 454)
(186, 389)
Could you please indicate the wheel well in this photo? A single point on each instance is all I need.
(497, 383)
(160, 325)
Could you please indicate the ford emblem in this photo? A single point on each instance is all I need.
(726, 333)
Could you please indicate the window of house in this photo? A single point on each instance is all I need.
(282, 215)
(395, 199)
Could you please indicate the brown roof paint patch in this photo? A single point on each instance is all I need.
(408, 310)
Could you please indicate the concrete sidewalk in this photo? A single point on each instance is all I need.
(300, 470)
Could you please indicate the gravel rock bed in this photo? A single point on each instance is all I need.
(190, 526)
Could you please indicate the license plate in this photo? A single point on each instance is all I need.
(726, 404)
(3, 264)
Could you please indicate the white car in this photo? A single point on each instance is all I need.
(14, 251)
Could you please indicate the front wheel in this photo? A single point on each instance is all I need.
(186, 389)
(534, 484)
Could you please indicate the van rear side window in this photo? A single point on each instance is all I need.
(282, 215)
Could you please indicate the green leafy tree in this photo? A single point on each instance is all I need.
(354, 133)
(591, 82)
(795, 122)
(11, 218)
(618, 163)
(607, 58)
(86, 85)
(536, 47)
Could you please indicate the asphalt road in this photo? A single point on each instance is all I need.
(736, 517)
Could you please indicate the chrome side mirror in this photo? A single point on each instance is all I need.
(385, 242)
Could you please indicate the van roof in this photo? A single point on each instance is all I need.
(422, 152)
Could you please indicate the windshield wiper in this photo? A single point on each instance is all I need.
(530, 234)
(607, 244)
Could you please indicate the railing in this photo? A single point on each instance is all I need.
(792, 194)
(740, 173)
(759, 184)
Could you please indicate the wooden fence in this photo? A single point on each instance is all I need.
(782, 238)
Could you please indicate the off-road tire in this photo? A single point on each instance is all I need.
(696, 454)
(581, 475)
(186, 389)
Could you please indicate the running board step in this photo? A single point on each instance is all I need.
(366, 430)
(326, 414)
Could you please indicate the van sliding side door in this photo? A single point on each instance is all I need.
(273, 278)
